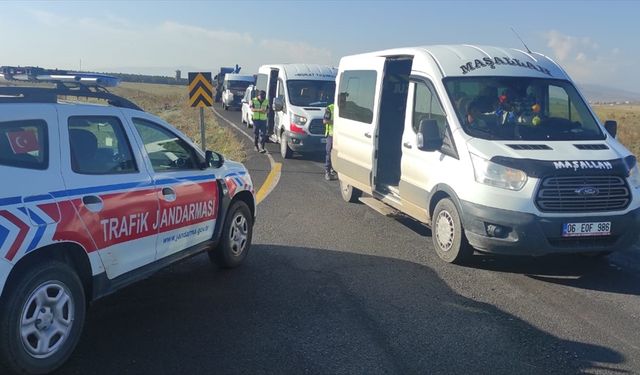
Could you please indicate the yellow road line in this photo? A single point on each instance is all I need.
(269, 183)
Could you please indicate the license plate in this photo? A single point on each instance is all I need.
(323, 140)
(602, 228)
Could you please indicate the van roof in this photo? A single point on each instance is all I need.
(471, 60)
(304, 71)
(238, 77)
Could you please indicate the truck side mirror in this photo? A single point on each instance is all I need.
(213, 159)
(612, 127)
(278, 104)
(428, 137)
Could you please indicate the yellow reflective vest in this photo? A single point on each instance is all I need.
(328, 117)
(256, 104)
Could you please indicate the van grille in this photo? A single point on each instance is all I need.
(529, 147)
(316, 126)
(583, 194)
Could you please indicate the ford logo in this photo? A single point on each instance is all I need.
(587, 191)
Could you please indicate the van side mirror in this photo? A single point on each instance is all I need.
(428, 137)
(278, 104)
(213, 159)
(612, 127)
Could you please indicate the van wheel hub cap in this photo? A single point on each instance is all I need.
(445, 228)
(238, 234)
(46, 320)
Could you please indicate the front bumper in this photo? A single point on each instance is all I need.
(529, 234)
(305, 142)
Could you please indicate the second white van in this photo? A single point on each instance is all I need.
(298, 94)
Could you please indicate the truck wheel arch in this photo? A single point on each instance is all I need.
(68, 252)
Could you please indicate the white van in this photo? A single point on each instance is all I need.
(495, 149)
(233, 89)
(299, 94)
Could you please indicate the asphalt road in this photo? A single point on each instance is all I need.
(331, 287)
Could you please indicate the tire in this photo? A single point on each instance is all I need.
(236, 237)
(62, 324)
(349, 193)
(285, 150)
(448, 235)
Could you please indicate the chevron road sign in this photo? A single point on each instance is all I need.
(200, 89)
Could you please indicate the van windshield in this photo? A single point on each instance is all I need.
(312, 93)
(238, 85)
(521, 108)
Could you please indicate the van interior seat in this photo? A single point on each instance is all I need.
(84, 146)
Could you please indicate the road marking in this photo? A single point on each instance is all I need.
(270, 183)
(273, 177)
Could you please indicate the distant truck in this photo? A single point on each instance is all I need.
(219, 79)
(233, 89)
(298, 95)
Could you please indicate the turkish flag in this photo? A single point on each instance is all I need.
(23, 141)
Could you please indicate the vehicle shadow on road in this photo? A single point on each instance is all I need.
(592, 273)
(291, 310)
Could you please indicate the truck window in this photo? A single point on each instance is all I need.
(427, 106)
(261, 83)
(99, 146)
(167, 151)
(23, 144)
(521, 108)
(356, 95)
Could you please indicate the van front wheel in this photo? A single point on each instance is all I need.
(448, 234)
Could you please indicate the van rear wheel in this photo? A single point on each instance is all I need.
(348, 192)
(448, 235)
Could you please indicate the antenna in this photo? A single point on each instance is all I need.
(523, 43)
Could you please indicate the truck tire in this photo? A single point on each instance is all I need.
(285, 150)
(448, 235)
(236, 237)
(348, 192)
(41, 318)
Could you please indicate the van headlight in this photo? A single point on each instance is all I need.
(492, 174)
(634, 177)
(298, 120)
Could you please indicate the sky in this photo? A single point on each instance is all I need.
(595, 41)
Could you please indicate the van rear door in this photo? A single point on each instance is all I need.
(356, 116)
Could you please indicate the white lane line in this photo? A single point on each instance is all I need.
(274, 174)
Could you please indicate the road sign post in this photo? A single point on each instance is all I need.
(201, 96)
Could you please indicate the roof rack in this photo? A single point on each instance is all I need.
(20, 94)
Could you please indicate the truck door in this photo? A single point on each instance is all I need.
(357, 113)
(188, 195)
(271, 94)
(420, 170)
(108, 186)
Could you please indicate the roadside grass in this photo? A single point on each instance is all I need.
(628, 118)
(171, 104)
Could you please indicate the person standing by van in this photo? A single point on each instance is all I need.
(329, 174)
(260, 106)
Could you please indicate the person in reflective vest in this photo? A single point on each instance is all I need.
(260, 107)
(329, 174)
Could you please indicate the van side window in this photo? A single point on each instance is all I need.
(99, 146)
(167, 151)
(23, 144)
(560, 106)
(426, 106)
(356, 95)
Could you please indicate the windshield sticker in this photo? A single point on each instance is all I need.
(576, 165)
(491, 63)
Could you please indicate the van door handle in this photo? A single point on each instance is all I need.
(407, 145)
(93, 203)
(169, 194)
(368, 135)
